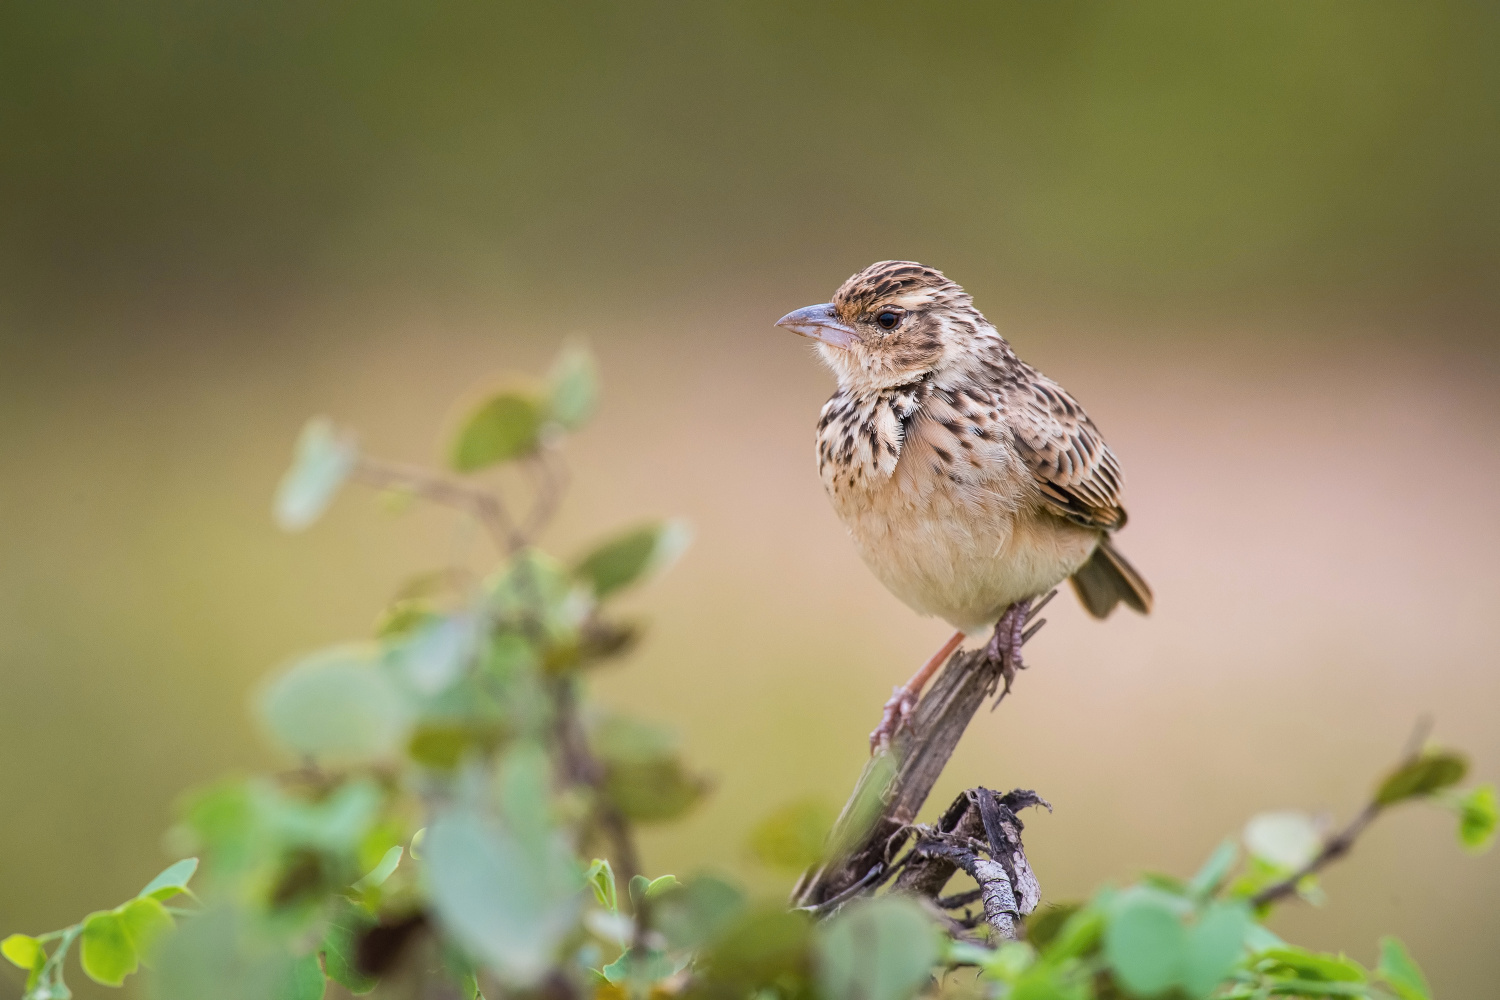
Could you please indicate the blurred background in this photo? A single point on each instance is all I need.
(1259, 241)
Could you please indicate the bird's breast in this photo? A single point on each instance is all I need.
(943, 512)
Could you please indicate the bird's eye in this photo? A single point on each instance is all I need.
(888, 320)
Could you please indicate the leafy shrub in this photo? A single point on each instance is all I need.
(461, 817)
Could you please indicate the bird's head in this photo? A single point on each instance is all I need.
(891, 324)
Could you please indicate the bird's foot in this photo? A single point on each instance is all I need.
(1004, 646)
(894, 717)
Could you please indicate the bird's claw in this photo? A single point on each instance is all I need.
(1004, 646)
(894, 717)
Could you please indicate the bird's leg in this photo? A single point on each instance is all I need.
(897, 712)
(1004, 646)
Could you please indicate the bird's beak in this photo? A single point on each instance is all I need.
(820, 323)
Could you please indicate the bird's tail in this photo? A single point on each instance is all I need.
(1107, 579)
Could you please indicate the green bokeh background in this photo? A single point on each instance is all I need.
(1261, 241)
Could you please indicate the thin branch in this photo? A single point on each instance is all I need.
(1334, 848)
(958, 899)
(847, 894)
(484, 506)
(551, 480)
(1342, 842)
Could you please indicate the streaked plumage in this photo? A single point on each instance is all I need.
(968, 480)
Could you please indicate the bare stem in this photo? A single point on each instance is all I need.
(484, 506)
(1334, 847)
(1342, 843)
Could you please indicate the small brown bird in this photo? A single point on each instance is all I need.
(970, 482)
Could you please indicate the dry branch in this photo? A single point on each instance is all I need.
(879, 817)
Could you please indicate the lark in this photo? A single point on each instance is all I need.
(971, 483)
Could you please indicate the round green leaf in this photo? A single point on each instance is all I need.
(880, 949)
(106, 953)
(1284, 839)
(322, 461)
(1432, 771)
(1214, 945)
(506, 426)
(698, 913)
(574, 387)
(21, 950)
(303, 980)
(340, 945)
(336, 704)
(145, 921)
(1477, 817)
(511, 903)
(113, 942)
(1146, 944)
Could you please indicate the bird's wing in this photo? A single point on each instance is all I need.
(1078, 476)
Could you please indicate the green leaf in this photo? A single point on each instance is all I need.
(1145, 943)
(644, 776)
(1286, 840)
(105, 951)
(637, 889)
(337, 704)
(1399, 970)
(878, 949)
(171, 882)
(653, 790)
(321, 463)
(21, 950)
(642, 968)
(766, 946)
(113, 942)
(226, 955)
(793, 837)
(601, 878)
(1008, 962)
(1477, 816)
(1214, 946)
(1043, 924)
(434, 653)
(574, 387)
(340, 944)
(1214, 871)
(382, 871)
(626, 558)
(510, 902)
(336, 825)
(1313, 965)
(1045, 981)
(1431, 771)
(1079, 934)
(304, 980)
(696, 915)
(442, 745)
(661, 885)
(506, 426)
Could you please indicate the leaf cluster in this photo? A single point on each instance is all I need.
(457, 809)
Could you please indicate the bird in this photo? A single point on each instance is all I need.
(970, 483)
